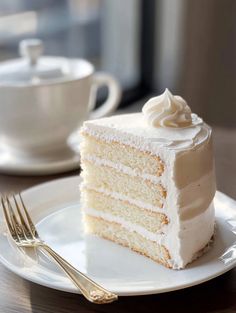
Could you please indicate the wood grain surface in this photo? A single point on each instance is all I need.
(218, 295)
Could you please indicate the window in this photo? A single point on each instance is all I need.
(111, 34)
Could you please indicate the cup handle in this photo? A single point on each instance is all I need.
(114, 95)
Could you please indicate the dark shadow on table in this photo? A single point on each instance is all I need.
(217, 295)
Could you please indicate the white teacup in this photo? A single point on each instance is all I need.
(43, 101)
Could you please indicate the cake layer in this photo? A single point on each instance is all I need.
(152, 221)
(117, 233)
(140, 161)
(107, 178)
(121, 168)
(122, 197)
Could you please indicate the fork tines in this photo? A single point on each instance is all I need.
(17, 218)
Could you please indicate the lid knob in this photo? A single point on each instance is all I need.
(31, 49)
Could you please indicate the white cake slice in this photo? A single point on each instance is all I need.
(149, 182)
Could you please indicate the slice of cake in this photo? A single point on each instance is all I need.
(149, 182)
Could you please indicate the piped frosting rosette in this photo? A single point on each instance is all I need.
(167, 110)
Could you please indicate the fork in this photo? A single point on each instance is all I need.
(24, 234)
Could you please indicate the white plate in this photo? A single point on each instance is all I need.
(56, 209)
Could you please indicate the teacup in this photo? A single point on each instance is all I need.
(43, 101)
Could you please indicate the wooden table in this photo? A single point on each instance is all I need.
(217, 295)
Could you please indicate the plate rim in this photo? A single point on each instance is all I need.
(71, 289)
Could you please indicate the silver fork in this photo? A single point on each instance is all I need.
(24, 234)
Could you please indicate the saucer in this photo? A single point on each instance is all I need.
(64, 160)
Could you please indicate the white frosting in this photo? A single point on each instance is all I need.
(188, 176)
(122, 168)
(167, 110)
(157, 237)
(131, 129)
(122, 197)
(188, 229)
(192, 199)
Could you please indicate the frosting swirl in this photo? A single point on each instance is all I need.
(167, 110)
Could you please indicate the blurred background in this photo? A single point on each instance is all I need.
(188, 46)
(185, 45)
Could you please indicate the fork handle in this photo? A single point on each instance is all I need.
(91, 290)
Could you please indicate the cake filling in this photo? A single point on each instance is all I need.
(110, 179)
(142, 162)
(122, 168)
(152, 221)
(133, 240)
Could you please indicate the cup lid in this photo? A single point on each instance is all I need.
(33, 68)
